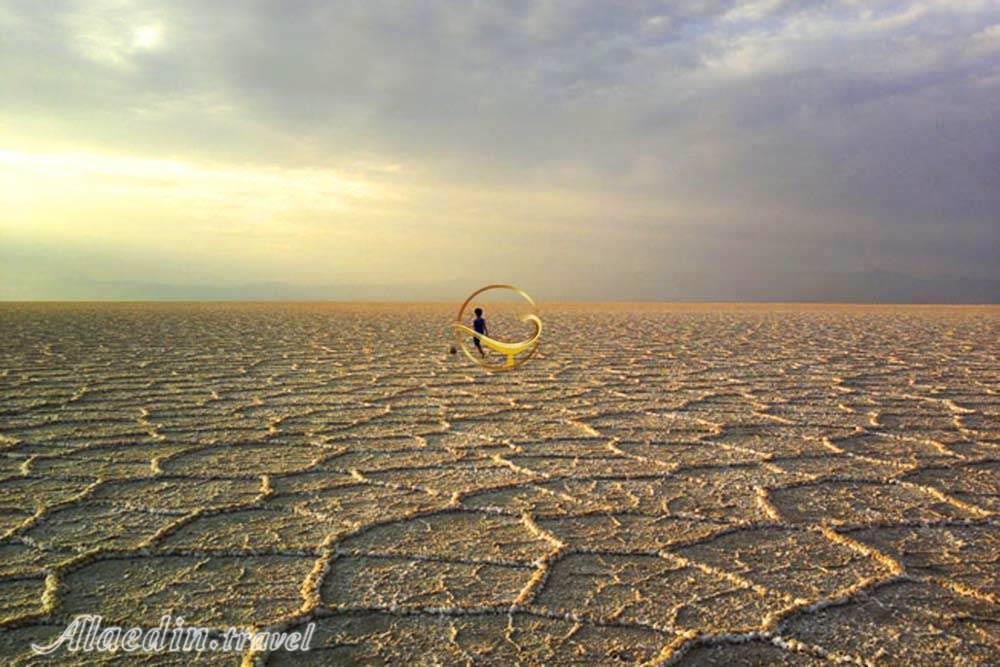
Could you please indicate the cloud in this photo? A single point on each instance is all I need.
(595, 125)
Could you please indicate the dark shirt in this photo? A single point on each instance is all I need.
(479, 324)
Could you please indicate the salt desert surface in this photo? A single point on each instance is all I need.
(665, 484)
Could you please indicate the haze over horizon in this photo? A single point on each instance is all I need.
(761, 151)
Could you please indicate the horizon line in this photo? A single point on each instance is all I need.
(441, 302)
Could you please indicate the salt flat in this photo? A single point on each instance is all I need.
(665, 484)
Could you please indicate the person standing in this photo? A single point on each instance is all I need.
(479, 324)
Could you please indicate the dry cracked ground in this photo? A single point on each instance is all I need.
(666, 485)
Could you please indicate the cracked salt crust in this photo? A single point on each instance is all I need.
(673, 485)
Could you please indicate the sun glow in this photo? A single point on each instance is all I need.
(94, 195)
(147, 37)
(322, 188)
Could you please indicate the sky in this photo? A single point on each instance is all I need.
(705, 150)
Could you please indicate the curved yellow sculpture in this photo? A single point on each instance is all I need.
(507, 349)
